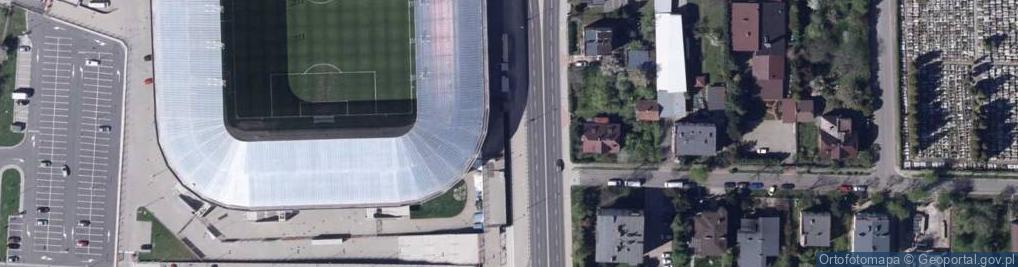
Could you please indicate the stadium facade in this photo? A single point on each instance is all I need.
(443, 144)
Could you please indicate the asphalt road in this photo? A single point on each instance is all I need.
(543, 121)
(71, 101)
(887, 117)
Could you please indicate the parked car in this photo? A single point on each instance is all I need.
(859, 188)
(84, 223)
(82, 243)
(756, 186)
(788, 186)
(615, 182)
(14, 239)
(844, 188)
(42, 222)
(771, 190)
(42, 209)
(13, 245)
(25, 48)
(105, 128)
(729, 185)
(13, 258)
(679, 183)
(66, 171)
(45, 163)
(634, 183)
(743, 185)
(580, 64)
(92, 62)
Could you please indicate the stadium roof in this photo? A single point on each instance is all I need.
(430, 158)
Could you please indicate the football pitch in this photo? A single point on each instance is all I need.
(293, 63)
(354, 50)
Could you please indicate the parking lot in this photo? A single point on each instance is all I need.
(72, 151)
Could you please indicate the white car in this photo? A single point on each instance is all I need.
(66, 171)
(680, 184)
(634, 183)
(92, 62)
(615, 182)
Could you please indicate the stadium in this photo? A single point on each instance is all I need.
(271, 104)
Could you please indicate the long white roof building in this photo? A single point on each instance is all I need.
(670, 48)
(442, 145)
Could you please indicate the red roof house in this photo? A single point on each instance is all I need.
(745, 27)
(600, 136)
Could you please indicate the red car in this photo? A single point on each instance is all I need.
(82, 243)
(844, 188)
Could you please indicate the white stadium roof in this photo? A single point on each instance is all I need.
(430, 158)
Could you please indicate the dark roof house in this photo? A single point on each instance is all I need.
(871, 233)
(695, 139)
(597, 41)
(605, 5)
(716, 98)
(773, 28)
(710, 237)
(758, 239)
(648, 110)
(815, 229)
(601, 136)
(619, 236)
(804, 110)
(638, 59)
(745, 27)
(837, 140)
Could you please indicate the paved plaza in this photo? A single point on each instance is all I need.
(71, 155)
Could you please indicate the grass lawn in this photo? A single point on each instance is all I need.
(806, 141)
(354, 36)
(10, 198)
(165, 245)
(714, 16)
(7, 68)
(444, 206)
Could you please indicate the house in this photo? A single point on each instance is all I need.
(787, 110)
(695, 139)
(601, 136)
(837, 140)
(804, 111)
(639, 59)
(619, 236)
(670, 58)
(648, 111)
(605, 5)
(871, 233)
(1014, 236)
(745, 25)
(815, 229)
(597, 41)
(716, 98)
(773, 28)
(769, 71)
(758, 239)
(710, 233)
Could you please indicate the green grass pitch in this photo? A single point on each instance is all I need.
(349, 50)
